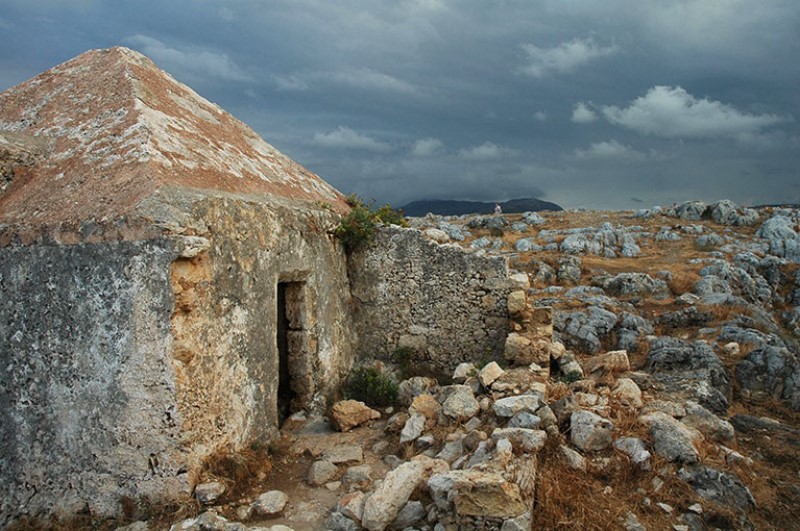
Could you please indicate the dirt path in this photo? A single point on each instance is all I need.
(300, 445)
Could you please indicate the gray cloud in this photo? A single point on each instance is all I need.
(583, 114)
(566, 57)
(193, 63)
(346, 138)
(485, 151)
(426, 147)
(408, 99)
(610, 149)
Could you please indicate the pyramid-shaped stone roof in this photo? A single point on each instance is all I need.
(108, 128)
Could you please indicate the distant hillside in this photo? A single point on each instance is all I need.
(446, 207)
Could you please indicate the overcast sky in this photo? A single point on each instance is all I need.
(597, 104)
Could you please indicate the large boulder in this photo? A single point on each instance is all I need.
(637, 285)
(691, 369)
(771, 371)
(719, 487)
(476, 493)
(585, 331)
(672, 440)
(782, 238)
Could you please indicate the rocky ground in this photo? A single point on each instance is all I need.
(666, 395)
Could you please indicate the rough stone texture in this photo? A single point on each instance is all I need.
(413, 428)
(347, 414)
(460, 403)
(144, 129)
(491, 372)
(138, 305)
(270, 503)
(717, 486)
(522, 439)
(321, 472)
(509, 406)
(448, 305)
(209, 492)
(692, 369)
(711, 426)
(585, 331)
(613, 362)
(637, 284)
(475, 493)
(628, 393)
(387, 500)
(671, 440)
(771, 371)
(589, 431)
(635, 449)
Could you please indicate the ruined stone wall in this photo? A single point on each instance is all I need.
(446, 304)
(126, 364)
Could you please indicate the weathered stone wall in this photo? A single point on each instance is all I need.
(225, 320)
(126, 364)
(87, 389)
(447, 304)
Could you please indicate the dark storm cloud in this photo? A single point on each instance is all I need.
(594, 104)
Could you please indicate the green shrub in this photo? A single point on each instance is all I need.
(496, 232)
(359, 225)
(404, 357)
(372, 387)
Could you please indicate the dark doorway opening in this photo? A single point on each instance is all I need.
(285, 392)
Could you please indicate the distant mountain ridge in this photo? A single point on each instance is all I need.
(449, 207)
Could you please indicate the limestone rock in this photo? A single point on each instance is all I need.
(344, 453)
(491, 372)
(717, 486)
(509, 406)
(411, 513)
(209, 492)
(383, 505)
(352, 505)
(690, 368)
(672, 440)
(270, 503)
(415, 386)
(460, 403)
(771, 371)
(347, 414)
(522, 439)
(413, 428)
(517, 302)
(425, 405)
(636, 284)
(635, 449)
(437, 235)
(463, 371)
(614, 362)
(573, 459)
(589, 431)
(321, 472)
(628, 393)
(711, 426)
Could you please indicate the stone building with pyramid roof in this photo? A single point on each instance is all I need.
(170, 288)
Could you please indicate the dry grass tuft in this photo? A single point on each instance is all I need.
(237, 470)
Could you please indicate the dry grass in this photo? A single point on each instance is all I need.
(238, 471)
(601, 497)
